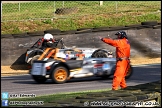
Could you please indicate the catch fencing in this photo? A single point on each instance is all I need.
(36, 10)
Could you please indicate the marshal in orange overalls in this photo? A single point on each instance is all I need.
(122, 51)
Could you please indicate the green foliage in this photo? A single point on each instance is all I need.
(47, 21)
(47, 98)
(16, 30)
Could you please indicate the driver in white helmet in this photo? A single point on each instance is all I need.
(48, 40)
(48, 36)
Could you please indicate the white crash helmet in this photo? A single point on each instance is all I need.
(48, 36)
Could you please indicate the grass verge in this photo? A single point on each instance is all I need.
(89, 21)
(59, 96)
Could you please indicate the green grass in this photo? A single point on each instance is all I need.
(89, 15)
(59, 96)
(89, 21)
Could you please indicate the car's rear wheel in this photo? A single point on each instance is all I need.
(100, 54)
(39, 79)
(60, 75)
(129, 73)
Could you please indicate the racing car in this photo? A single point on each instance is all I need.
(61, 65)
(34, 52)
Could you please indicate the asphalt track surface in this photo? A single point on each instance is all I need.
(25, 84)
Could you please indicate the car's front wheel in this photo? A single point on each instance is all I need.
(105, 76)
(100, 54)
(39, 79)
(60, 75)
(128, 75)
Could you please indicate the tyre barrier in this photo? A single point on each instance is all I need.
(149, 23)
(157, 27)
(120, 98)
(84, 30)
(114, 28)
(6, 36)
(61, 11)
(36, 33)
(144, 27)
(20, 35)
(68, 32)
(99, 29)
(133, 25)
(53, 31)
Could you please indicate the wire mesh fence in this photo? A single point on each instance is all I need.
(35, 10)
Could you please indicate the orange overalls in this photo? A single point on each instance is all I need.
(122, 51)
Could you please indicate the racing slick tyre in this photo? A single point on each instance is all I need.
(100, 54)
(61, 11)
(39, 79)
(129, 73)
(34, 58)
(107, 76)
(149, 23)
(60, 75)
